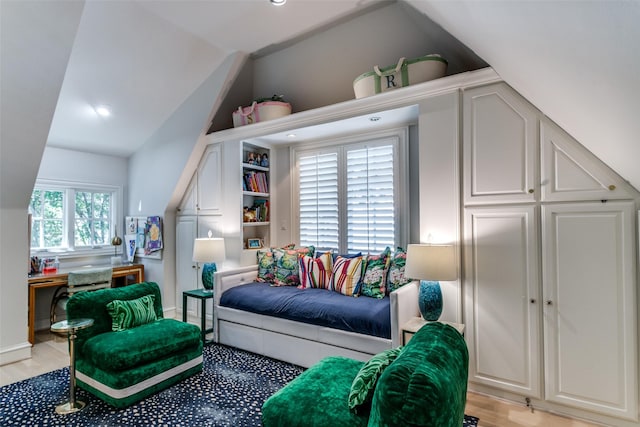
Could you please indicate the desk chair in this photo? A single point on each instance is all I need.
(78, 281)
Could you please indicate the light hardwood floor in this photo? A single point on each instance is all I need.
(51, 352)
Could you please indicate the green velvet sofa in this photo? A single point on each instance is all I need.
(126, 366)
(425, 385)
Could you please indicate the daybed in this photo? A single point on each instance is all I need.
(423, 384)
(148, 353)
(300, 342)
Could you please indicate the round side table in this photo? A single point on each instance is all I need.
(70, 327)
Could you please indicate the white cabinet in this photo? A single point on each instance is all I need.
(590, 324)
(569, 172)
(502, 288)
(500, 146)
(204, 194)
(550, 265)
(186, 270)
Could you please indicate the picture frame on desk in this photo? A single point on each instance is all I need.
(254, 243)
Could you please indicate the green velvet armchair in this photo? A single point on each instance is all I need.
(426, 385)
(122, 361)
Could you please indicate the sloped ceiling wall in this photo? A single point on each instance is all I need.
(577, 61)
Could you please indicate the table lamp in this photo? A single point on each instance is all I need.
(430, 264)
(208, 250)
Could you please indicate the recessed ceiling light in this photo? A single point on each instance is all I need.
(103, 111)
(375, 118)
(278, 2)
(291, 135)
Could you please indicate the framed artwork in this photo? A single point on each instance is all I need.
(130, 241)
(254, 243)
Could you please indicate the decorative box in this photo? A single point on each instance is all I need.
(260, 112)
(406, 72)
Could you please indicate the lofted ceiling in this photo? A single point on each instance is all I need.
(577, 61)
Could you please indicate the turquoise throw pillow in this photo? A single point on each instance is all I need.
(364, 384)
(127, 314)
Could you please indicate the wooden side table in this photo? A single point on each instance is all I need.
(203, 295)
(415, 323)
(70, 327)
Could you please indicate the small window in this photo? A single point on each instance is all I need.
(69, 217)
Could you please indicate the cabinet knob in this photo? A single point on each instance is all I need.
(531, 191)
(612, 187)
(193, 266)
(532, 300)
(549, 302)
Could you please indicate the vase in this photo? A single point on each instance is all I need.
(430, 300)
(207, 275)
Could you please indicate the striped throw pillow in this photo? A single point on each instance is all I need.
(315, 272)
(345, 275)
(127, 314)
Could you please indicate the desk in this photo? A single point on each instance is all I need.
(53, 280)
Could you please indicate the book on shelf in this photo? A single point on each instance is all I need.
(255, 182)
(259, 212)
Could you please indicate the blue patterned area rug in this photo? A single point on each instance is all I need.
(229, 391)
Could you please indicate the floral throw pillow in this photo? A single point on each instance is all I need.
(375, 274)
(266, 266)
(346, 274)
(396, 277)
(315, 272)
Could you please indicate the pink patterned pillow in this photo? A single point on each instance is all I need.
(315, 272)
(345, 275)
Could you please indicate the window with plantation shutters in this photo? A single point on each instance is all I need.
(349, 194)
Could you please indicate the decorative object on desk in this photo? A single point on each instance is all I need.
(208, 250)
(130, 246)
(115, 242)
(431, 264)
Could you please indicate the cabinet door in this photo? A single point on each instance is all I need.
(500, 146)
(210, 182)
(502, 305)
(189, 203)
(590, 324)
(571, 172)
(186, 269)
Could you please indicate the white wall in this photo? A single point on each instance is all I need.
(31, 34)
(160, 171)
(320, 70)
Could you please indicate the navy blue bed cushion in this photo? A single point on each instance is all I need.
(320, 307)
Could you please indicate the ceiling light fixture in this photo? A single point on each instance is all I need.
(278, 2)
(375, 118)
(103, 111)
(291, 135)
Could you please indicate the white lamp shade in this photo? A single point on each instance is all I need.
(431, 262)
(209, 249)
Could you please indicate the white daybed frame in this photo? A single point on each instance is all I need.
(296, 342)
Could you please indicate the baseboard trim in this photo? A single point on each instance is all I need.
(15, 353)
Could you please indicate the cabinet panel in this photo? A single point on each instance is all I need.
(570, 172)
(502, 289)
(500, 146)
(589, 315)
(210, 182)
(186, 272)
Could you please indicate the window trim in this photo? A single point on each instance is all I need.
(401, 177)
(68, 217)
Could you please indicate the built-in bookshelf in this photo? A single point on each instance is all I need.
(256, 198)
